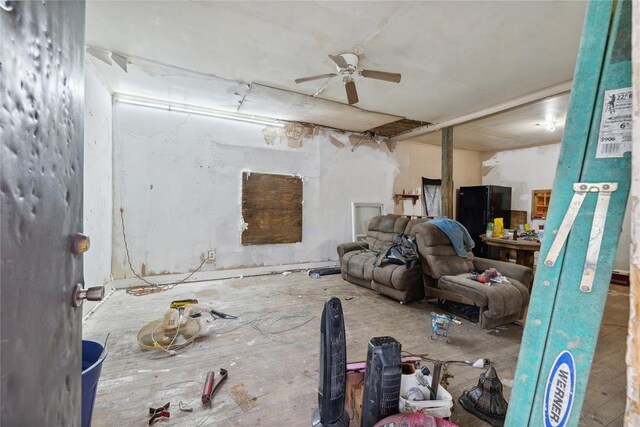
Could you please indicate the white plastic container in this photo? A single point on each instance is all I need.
(441, 407)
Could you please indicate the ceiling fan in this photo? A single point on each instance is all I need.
(347, 66)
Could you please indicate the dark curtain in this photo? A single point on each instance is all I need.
(432, 196)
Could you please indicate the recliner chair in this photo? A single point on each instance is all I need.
(446, 277)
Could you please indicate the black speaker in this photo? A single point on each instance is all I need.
(381, 380)
(333, 368)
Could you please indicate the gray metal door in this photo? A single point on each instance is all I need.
(41, 133)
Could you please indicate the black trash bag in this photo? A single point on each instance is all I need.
(403, 251)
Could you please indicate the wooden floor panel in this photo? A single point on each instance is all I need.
(271, 351)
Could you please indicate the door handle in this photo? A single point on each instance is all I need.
(94, 293)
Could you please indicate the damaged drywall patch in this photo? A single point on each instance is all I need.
(297, 132)
(293, 133)
(489, 162)
(368, 138)
(270, 134)
(523, 170)
(391, 145)
(336, 142)
(486, 170)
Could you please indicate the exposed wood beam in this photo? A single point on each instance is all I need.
(447, 172)
(490, 111)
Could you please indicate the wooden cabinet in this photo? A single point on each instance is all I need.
(540, 203)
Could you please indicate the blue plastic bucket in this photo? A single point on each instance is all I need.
(91, 368)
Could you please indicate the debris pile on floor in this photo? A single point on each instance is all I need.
(390, 389)
(179, 327)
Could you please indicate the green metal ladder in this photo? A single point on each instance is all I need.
(582, 230)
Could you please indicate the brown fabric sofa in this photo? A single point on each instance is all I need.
(446, 277)
(357, 260)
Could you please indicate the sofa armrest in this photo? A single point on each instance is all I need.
(518, 272)
(351, 246)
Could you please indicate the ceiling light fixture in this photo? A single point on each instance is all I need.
(193, 109)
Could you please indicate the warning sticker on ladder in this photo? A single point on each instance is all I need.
(615, 127)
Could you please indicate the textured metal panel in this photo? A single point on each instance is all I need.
(41, 133)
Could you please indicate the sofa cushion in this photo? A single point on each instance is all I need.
(410, 229)
(396, 276)
(501, 299)
(359, 264)
(437, 256)
(383, 229)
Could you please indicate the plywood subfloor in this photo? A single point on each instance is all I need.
(271, 352)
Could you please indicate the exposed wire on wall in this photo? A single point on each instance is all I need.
(149, 288)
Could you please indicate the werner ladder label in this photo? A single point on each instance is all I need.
(561, 386)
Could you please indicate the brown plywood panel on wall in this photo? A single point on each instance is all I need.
(271, 208)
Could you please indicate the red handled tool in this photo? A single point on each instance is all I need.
(209, 389)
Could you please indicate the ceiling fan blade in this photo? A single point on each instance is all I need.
(339, 61)
(381, 75)
(352, 93)
(321, 76)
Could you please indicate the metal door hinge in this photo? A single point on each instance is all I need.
(604, 190)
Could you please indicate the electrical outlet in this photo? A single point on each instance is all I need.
(208, 256)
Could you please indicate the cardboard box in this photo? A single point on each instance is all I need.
(353, 399)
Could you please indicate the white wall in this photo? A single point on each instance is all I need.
(417, 159)
(97, 179)
(178, 178)
(531, 169)
(523, 170)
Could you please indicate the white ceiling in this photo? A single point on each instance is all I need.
(455, 57)
(517, 128)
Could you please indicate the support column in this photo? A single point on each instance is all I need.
(447, 172)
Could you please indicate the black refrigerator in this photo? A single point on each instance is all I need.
(478, 206)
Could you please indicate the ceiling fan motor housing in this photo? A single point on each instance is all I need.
(352, 62)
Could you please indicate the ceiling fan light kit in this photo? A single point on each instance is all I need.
(347, 66)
